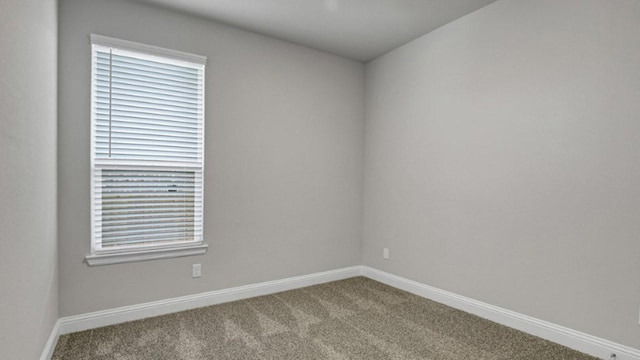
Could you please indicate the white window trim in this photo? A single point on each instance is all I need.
(179, 56)
(144, 254)
(147, 252)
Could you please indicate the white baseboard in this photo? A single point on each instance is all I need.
(47, 352)
(97, 319)
(585, 343)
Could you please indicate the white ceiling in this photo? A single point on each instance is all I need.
(357, 29)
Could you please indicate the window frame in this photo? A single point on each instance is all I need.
(134, 253)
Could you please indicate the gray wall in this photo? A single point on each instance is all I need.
(28, 249)
(501, 161)
(284, 143)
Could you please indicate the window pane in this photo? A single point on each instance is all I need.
(147, 110)
(148, 206)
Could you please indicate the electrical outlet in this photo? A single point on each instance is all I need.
(385, 254)
(196, 271)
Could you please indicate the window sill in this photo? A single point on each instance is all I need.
(144, 255)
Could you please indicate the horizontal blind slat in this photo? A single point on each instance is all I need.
(186, 80)
(103, 80)
(123, 78)
(102, 90)
(124, 112)
(143, 127)
(138, 108)
(154, 239)
(176, 104)
(134, 66)
(160, 139)
(154, 64)
(145, 121)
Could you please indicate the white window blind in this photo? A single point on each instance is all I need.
(147, 146)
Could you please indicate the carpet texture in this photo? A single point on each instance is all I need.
(355, 318)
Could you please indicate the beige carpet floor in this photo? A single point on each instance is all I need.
(355, 318)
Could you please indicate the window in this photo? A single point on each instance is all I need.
(147, 152)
